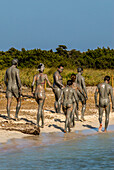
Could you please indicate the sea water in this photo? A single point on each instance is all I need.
(60, 151)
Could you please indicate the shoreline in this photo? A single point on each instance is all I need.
(15, 145)
(89, 126)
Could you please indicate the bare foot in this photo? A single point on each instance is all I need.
(65, 131)
(105, 130)
(83, 119)
(17, 119)
(78, 119)
(100, 128)
(8, 118)
(42, 126)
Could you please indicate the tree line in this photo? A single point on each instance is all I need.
(100, 58)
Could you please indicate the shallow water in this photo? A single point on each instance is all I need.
(80, 150)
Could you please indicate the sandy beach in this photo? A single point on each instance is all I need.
(54, 122)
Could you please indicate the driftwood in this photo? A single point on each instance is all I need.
(20, 127)
(26, 131)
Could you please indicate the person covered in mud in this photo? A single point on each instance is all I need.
(76, 87)
(57, 86)
(68, 94)
(104, 90)
(81, 83)
(39, 93)
(13, 84)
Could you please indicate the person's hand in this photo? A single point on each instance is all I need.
(63, 87)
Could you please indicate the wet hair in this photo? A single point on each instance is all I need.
(107, 78)
(60, 66)
(15, 61)
(79, 69)
(39, 66)
(73, 77)
(69, 82)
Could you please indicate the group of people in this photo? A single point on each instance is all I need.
(68, 96)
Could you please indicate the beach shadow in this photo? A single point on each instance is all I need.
(54, 111)
(57, 127)
(91, 127)
(28, 121)
(3, 116)
(51, 111)
(6, 117)
(59, 120)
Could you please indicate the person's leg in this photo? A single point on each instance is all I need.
(66, 123)
(42, 114)
(76, 111)
(40, 103)
(100, 117)
(77, 105)
(18, 107)
(9, 99)
(65, 113)
(72, 114)
(107, 112)
(83, 109)
(68, 120)
(69, 110)
(57, 104)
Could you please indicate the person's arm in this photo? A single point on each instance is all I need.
(18, 80)
(5, 79)
(48, 81)
(95, 96)
(80, 90)
(84, 87)
(112, 98)
(57, 81)
(32, 87)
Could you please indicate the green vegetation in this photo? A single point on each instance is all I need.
(98, 58)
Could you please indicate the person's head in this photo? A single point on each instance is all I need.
(73, 77)
(69, 82)
(15, 61)
(60, 68)
(41, 67)
(80, 70)
(107, 79)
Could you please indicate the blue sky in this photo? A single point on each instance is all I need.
(45, 24)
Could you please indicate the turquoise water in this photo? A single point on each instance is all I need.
(69, 152)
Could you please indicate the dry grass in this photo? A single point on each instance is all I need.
(92, 76)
